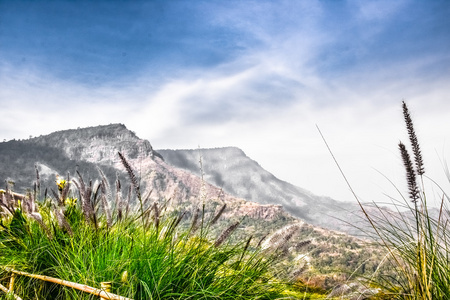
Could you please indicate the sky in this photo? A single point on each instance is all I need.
(258, 75)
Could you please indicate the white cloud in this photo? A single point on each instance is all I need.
(267, 102)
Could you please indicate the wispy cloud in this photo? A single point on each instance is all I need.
(256, 74)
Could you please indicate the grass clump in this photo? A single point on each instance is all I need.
(147, 253)
(416, 236)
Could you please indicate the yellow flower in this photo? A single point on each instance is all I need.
(71, 201)
(61, 183)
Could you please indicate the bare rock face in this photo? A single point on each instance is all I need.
(98, 144)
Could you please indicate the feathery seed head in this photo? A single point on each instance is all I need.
(410, 173)
(225, 234)
(131, 174)
(413, 140)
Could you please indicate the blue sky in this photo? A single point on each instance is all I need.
(258, 75)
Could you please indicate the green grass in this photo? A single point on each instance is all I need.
(155, 263)
(147, 253)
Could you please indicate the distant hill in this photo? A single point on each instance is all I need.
(240, 176)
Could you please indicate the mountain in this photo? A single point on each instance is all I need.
(240, 176)
(170, 174)
(88, 149)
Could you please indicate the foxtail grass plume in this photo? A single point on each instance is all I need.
(156, 215)
(278, 239)
(57, 198)
(119, 201)
(247, 244)
(302, 244)
(261, 240)
(85, 193)
(410, 173)
(37, 186)
(194, 222)
(106, 194)
(218, 215)
(413, 139)
(62, 222)
(131, 174)
(226, 234)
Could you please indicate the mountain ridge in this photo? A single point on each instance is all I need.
(239, 175)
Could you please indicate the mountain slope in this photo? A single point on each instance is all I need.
(88, 149)
(243, 177)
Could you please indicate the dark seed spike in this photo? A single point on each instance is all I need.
(226, 234)
(157, 216)
(413, 139)
(246, 247)
(217, 216)
(37, 186)
(262, 240)
(26, 204)
(288, 236)
(84, 197)
(79, 190)
(62, 222)
(106, 194)
(35, 190)
(8, 197)
(119, 202)
(302, 244)
(195, 221)
(107, 210)
(410, 173)
(57, 198)
(82, 186)
(131, 174)
(180, 217)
